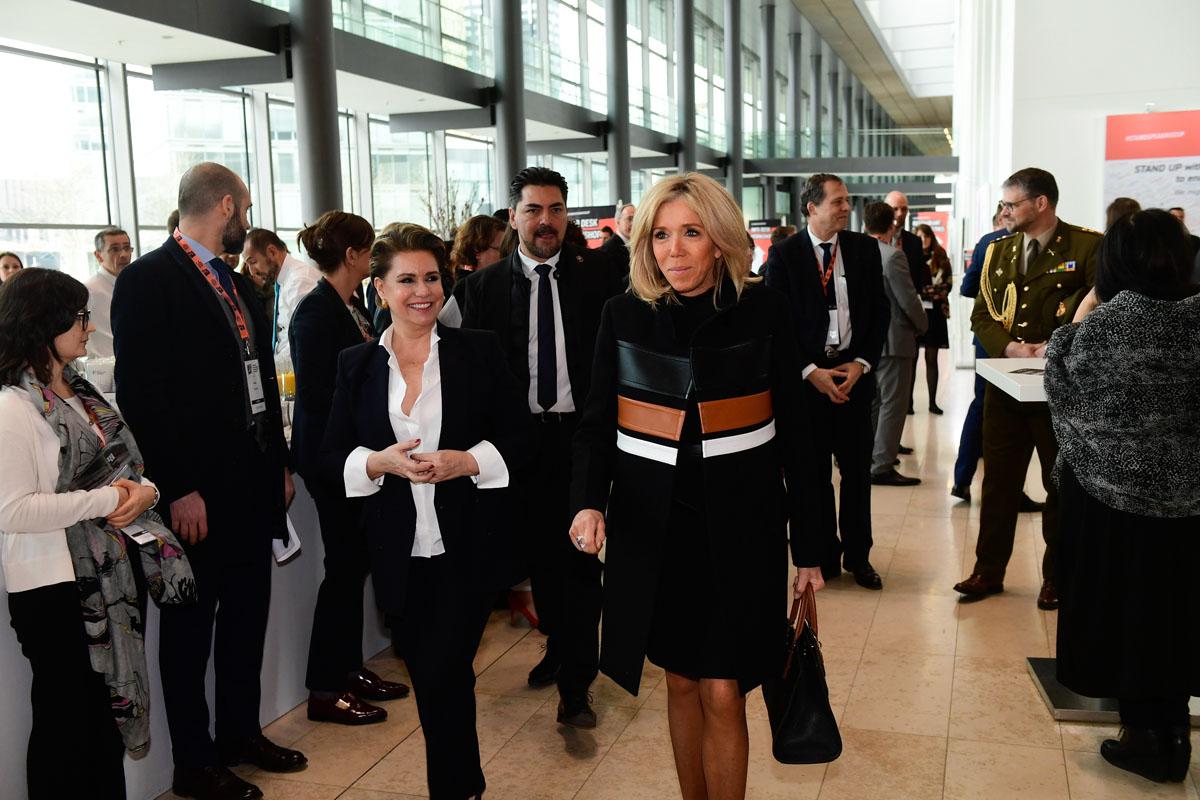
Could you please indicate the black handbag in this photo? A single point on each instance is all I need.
(803, 728)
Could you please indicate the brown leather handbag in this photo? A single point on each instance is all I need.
(803, 728)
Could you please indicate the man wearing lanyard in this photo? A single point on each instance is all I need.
(196, 383)
(834, 281)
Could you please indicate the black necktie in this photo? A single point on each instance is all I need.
(826, 259)
(221, 270)
(547, 361)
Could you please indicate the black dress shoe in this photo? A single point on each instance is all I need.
(345, 709)
(1030, 506)
(866, 576)
(1048, 597)
(368, 685)
(576, 711)
(904, 451)
(546, 671)
(1161, 755)
(961, 492)
(264, 754)
(893, 478)
(212, 783)
(935, 409)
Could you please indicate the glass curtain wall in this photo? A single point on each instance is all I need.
(53, 197)
(400, 180)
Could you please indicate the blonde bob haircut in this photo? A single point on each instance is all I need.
(722, 220)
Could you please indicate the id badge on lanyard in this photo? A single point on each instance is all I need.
(833, 336)
(258, 399)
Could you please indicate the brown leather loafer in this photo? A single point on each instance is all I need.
(367, 684)
(1048, 597)
(345, 709)
(977, 587)
(264, 754)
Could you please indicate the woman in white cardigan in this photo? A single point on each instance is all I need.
(71, 499)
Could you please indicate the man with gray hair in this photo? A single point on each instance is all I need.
(617, 247)
(894, 373)
(113, 253)
(196, 383)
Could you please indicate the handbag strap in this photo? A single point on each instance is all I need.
(804, 608)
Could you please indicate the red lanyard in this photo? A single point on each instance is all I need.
(826, 274)
(238, 319)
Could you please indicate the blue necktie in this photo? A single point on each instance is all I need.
(547, 362)
(221, 270)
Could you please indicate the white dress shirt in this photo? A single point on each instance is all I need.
(566, 402)
(423, 422)
(296, 278)
(842, 295)
(100, 293)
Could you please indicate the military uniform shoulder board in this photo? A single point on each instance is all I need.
(1085, 229)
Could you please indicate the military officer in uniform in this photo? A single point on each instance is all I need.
(1032, 280)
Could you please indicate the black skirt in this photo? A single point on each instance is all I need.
(937, 336)
(1129, 625)
(692, 633)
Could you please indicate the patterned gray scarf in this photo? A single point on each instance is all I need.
(103, 574)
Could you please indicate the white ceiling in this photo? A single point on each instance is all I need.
(96, 32)
(919, 35)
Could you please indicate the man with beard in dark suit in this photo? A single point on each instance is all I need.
(544, 302)
(834, 280)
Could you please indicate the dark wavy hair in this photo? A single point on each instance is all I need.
(1146, 252)
(472, 238)
(36, 306)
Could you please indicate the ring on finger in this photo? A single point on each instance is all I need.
(579, 542)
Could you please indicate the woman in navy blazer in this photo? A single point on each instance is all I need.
(328, 320)
(430, 428)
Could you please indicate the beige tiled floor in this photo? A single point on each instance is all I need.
(933, 697)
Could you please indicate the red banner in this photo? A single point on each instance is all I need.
(1164, 134)
(939, 221)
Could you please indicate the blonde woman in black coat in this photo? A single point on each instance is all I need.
(693, 422)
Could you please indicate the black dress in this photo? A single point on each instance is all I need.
(689, 637)
(1129, 624)
(937, 335)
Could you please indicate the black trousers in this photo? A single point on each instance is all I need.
(233, 584)
(1156, 714)
(1011, 432)
(438, 634)
(335, 649)
(566, 582)
(843, 432)
(75, 749)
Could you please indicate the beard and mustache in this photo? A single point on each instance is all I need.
(544, 251)
(233, 238)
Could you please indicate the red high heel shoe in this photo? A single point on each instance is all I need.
(522, 606)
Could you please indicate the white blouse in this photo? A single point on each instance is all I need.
(424, 422)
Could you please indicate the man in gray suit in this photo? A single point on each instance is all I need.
(894, 373)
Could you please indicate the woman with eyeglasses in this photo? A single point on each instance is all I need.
(71, 499)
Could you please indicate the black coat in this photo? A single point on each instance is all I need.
(479, 401)
(918, 264)
(792, 269)
(179, 378)
(497, 299)
(320, 330)
(618, 253)
(747, 347)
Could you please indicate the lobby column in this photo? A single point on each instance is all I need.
(770, 135)
(795, 114)
(620, 169)
(685, 88)
(835, 93)
(818, 84)
(733, 98)
(315, 80)
(510, 94)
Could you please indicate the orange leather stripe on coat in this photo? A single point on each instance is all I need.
(735, 412)
(648, 418)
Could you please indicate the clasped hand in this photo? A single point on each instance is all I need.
(432, 467)
(587, 531)
(133, 500)
(837, 382)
